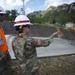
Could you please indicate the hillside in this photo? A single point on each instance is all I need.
(61, 14)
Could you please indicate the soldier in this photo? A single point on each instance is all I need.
(25, 47)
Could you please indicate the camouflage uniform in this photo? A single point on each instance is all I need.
(25, 52)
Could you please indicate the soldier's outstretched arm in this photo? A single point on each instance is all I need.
(44, 43)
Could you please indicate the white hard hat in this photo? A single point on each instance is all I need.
(1, 10)
(21, 20)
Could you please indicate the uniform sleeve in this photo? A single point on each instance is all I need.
(41, 42)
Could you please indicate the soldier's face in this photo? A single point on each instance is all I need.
(26, 30)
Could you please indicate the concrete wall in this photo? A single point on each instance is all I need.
(42, 31)
(38, 31)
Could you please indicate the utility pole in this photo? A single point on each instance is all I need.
(23, 11)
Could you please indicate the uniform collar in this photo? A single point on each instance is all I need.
(21, 35)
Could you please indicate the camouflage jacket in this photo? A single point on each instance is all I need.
(25, 47)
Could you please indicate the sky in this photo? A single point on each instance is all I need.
(31, 5)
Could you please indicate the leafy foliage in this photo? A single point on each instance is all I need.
(53, 15)
(61, 14)
(10, 15)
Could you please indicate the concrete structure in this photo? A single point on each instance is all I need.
(35, 31)
(57, 47)
(9, 39)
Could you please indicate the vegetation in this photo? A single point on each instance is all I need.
(53, 15)
(61, 65)
(10, 15)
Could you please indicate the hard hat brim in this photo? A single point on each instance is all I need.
(23, 24)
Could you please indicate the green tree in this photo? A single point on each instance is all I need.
(10, 15)
(7, 15)
(13, 14)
